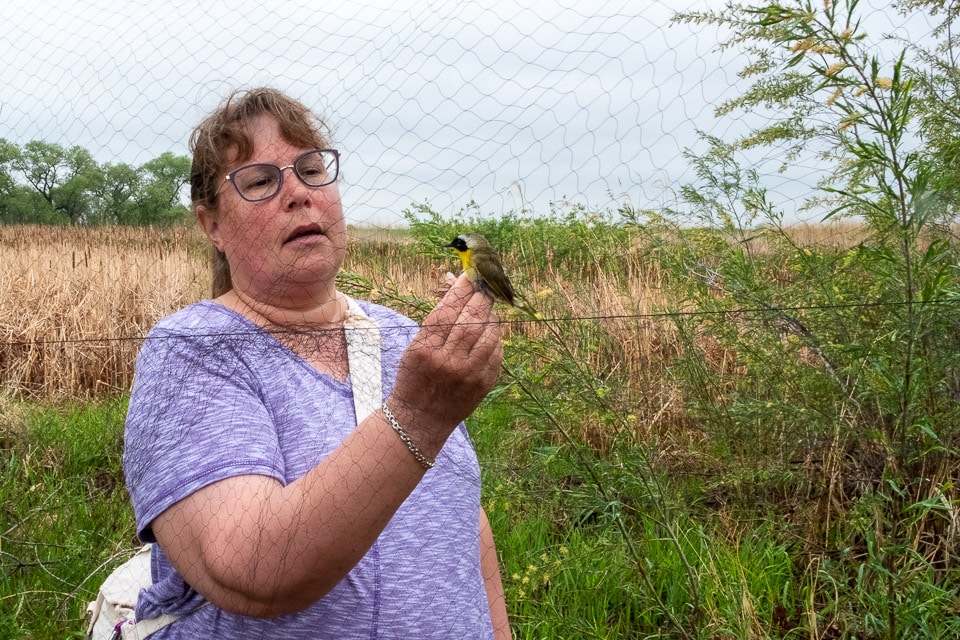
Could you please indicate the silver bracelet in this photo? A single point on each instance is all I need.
(422, 459)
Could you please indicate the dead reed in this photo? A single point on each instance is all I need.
(77, 302)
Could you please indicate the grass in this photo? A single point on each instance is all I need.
(67, 521)
(66, 516)
(656, 463)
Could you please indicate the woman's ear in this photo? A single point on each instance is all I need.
(209, 222)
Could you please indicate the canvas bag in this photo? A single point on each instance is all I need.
(112, 614)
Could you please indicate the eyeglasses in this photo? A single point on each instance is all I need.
(257, 182)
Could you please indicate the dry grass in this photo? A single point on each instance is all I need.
(840, 234)
(78, 301)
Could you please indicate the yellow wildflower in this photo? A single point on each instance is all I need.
(835, 68)
(802, 45)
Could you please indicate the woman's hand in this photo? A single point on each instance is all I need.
(449, 367)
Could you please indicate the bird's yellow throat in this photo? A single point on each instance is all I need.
(466, 257)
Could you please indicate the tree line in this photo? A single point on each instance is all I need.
(46, 183)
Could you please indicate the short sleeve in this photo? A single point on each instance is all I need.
(196, 416)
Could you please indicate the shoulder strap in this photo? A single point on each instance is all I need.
(363, 354)
(148, 627)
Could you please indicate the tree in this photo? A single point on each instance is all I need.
(48, 184)
(877, 320)
(117, 194)
(81, 178)
(38, 163)
(64, 178)
(7, 153)
(159, 200)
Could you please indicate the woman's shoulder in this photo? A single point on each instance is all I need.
(385, 316)
(201, 317)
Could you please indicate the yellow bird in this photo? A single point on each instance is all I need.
(485, 271)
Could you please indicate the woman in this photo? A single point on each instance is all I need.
(277, 509)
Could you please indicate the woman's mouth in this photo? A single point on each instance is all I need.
(305, 232)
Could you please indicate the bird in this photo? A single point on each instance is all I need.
(485, 271)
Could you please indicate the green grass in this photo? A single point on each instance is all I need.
(568, 572)
(65, 513)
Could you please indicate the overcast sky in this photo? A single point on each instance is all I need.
(508, 104)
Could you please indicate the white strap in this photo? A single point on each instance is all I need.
(363, 355)
(146, 628)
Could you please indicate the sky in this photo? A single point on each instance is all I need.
(510, 105)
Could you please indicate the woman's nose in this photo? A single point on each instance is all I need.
(294, 191)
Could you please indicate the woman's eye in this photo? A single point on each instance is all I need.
(256, 179)
(260, 182)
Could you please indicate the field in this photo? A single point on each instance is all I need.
(706, 436)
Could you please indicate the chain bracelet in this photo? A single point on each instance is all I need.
(422, 459)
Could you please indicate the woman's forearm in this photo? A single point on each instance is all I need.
(254, 547)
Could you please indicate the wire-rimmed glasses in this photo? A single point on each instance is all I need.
(261, 181)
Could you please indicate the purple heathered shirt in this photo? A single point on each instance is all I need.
(213, 397)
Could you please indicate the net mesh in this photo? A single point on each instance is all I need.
(510, 106)
(531, 107)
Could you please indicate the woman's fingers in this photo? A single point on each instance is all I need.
(448, 309)
(452, 363)
(448, 280)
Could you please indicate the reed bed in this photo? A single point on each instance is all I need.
(77, 302)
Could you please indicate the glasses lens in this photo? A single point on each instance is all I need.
(257, 181)
(318, 168)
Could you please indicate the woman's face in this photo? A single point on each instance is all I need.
(293, 242)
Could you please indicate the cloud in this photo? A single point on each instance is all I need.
(508, 104)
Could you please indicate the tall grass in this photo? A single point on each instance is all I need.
(66, 517)
(76, 301)
(667, 454)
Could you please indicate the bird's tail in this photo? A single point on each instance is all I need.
(521, 304)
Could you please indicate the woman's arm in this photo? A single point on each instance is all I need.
(490, 566)
(254, 547)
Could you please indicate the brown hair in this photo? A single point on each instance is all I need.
(223, 138)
